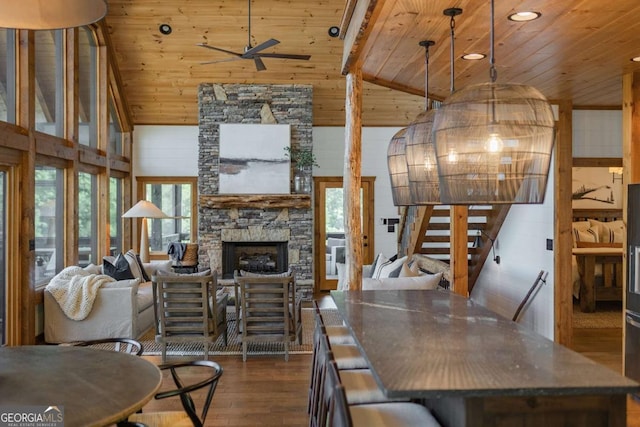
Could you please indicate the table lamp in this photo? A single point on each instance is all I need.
(144, 209)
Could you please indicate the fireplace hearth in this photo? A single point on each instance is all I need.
(255, 257)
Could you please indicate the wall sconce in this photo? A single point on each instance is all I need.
(478, 242)
(616, 174)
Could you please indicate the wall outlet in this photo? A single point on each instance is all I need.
(549, 244)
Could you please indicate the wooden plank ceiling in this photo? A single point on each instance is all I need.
(577, 50)
(161, 73)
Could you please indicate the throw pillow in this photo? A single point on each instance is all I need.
(151, 267)
(589, 235)
(381, 261)
(250, 274)
(160, 272)
(425, 282)
(119, 269)
(135, 264)
(407, 271)
(390, 269)
(93, 269)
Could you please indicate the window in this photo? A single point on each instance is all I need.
(49, 207)
(115, 215)
(115, 132)
(87, 88)
(3, 253)
(87, 219)
(7, 76)
(49, 81)
(176, 197)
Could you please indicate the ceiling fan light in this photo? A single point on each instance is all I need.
(521, 118)
(50, 14)
(398, 173)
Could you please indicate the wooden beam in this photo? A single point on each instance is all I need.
(352, 178)
(459, 250)
(68, 148)
(563, 242)
(359, 27)
(259, 201)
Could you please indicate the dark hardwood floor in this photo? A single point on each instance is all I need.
(267, 391)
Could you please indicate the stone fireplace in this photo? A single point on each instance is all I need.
(254, 257)
(280, 221)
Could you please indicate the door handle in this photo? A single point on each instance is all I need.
(632, 322)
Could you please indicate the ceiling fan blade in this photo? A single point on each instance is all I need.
(283, 56)
(221, 60)
(219, 50)
(249, 53)
(259, 64)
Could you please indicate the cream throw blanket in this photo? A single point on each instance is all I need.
(75, 290)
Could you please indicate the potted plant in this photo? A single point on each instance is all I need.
(304, 160)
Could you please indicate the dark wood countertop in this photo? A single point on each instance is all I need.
(433, 344)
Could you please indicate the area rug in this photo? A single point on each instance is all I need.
(234, 347)
(608, 314)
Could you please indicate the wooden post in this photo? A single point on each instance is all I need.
(459, 250)
(563, 164)
(352, 178)
(71, 134)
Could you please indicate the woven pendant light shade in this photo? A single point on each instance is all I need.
(397, 163)
(493, 145)
(421, 161)
(50, 14)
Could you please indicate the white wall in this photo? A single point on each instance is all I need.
(165, 151)
(597, 133)
(521, 245)
(173, 151)
(328, 146)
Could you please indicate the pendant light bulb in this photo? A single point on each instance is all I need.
(494, 143)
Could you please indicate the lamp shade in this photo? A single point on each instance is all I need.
(421, 161)
(144, 209)
(493, 145)
(397, 163)
(50, 14)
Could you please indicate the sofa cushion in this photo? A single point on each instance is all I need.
(127, 283)
(144, 296)
(152, 267)
(424, 282)
(118, 268)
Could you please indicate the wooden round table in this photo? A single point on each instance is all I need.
(95, 387)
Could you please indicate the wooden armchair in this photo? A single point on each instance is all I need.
(188, 310)
(270, 311)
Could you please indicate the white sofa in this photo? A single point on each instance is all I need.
(118, 312)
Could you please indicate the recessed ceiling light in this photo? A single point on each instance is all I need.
(165, 29)
(334, 31)
(636, 59)
(474, 56)
(524, 16)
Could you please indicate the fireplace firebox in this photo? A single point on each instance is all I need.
(255, 257)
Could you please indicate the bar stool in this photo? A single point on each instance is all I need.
(397, 414)
(338, 334)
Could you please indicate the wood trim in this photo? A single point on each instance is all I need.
(459, 250)
(257, 201)
(563, 242)
(53, 146)
(597, 162)
(92, 156)
(120, 164)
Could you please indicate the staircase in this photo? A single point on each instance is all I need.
(426, 230)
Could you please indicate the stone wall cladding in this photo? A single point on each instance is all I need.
(256, 103)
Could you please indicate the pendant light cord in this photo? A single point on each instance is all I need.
(493, 72)
(426, 44)
(452, 25)
(249, 26)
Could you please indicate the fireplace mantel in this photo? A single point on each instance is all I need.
(260, 201)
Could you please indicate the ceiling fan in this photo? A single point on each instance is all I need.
(254, 52)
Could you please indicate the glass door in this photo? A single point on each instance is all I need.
(329, 228)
